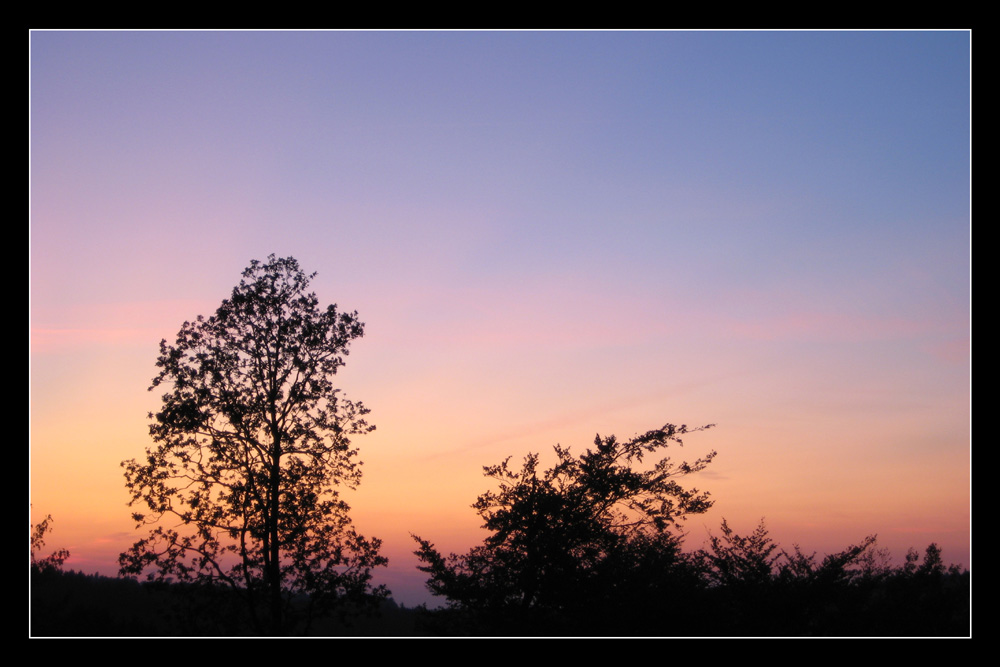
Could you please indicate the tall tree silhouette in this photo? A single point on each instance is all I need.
(567, 532)
(251, 443)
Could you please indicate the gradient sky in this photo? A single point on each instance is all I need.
(548, 235)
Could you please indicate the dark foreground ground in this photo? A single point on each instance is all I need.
(71, 604)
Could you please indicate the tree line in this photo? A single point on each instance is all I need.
(240, 495)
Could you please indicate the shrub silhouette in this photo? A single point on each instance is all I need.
(54, 561)
(570, 537)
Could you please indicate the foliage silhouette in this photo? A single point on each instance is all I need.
(54, 561)
(610, 580)
(844, 566)
(252, 441)
(744, 561)
(757, 589)
(570, 536)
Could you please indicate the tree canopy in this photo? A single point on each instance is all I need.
(251, 444)
(575, 529)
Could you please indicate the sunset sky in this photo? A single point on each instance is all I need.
(548, 235)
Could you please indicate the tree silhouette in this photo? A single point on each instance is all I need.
(758, 589)
(735, 560)
(54, 561)
(563, 536)
(251, 443)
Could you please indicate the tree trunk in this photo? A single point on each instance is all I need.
(274, 574)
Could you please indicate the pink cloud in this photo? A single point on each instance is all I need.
(124, 323)
(56, 340)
